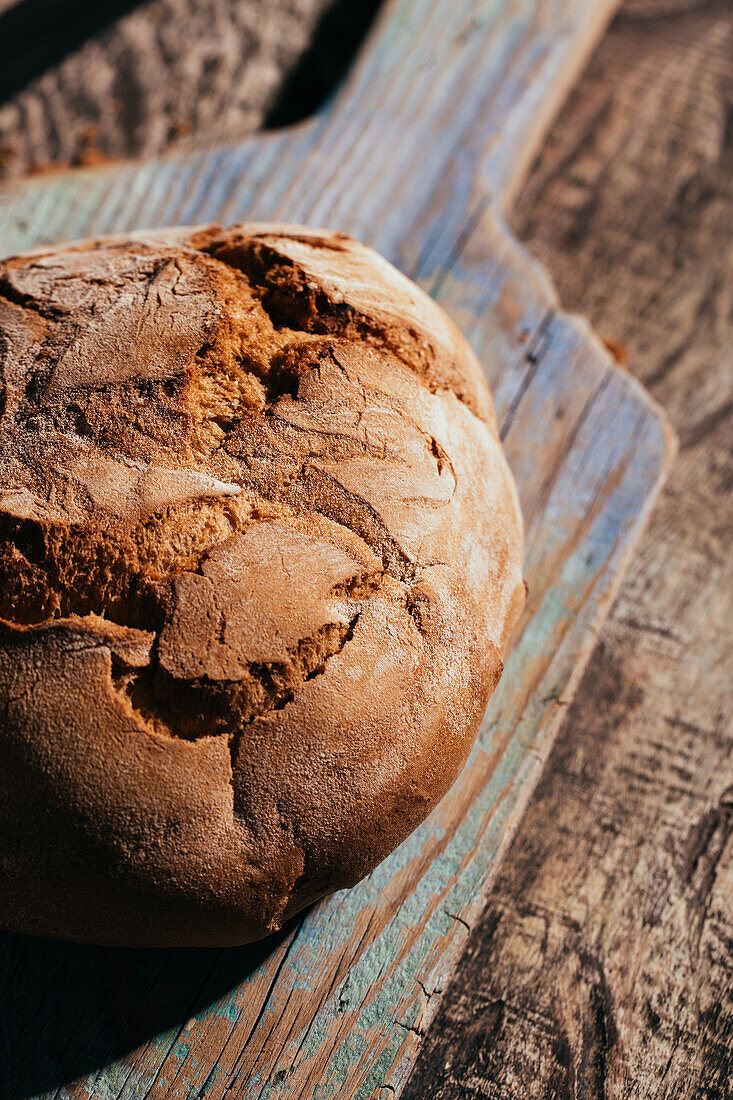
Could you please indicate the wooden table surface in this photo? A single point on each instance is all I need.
(603, 966)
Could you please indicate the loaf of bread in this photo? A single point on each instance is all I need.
(260, 552)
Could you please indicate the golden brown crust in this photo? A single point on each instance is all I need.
(260, 552)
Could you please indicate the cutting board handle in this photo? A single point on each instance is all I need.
(462, 87)
(439, 116)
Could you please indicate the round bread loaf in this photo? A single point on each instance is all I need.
(260, 552)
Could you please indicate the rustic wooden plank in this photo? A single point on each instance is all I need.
(415, 156)
(602, 966)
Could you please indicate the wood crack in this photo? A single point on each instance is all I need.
(533, 356)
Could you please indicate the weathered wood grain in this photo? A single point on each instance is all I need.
(422, 146)
(135, 78)
(603, 966)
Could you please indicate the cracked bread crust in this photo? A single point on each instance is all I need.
(260, 553)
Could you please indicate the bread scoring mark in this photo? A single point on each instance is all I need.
(52, 570)
(192, 709)
(294, 300)
(102, 582)
(139, 606)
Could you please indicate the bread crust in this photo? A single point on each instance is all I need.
(260, 553)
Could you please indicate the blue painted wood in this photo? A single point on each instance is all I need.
(416, 156)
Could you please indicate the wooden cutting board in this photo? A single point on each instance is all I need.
(417, 156)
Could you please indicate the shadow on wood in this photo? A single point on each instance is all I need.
(38, 34)
(69, 1009)
(323, 66)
